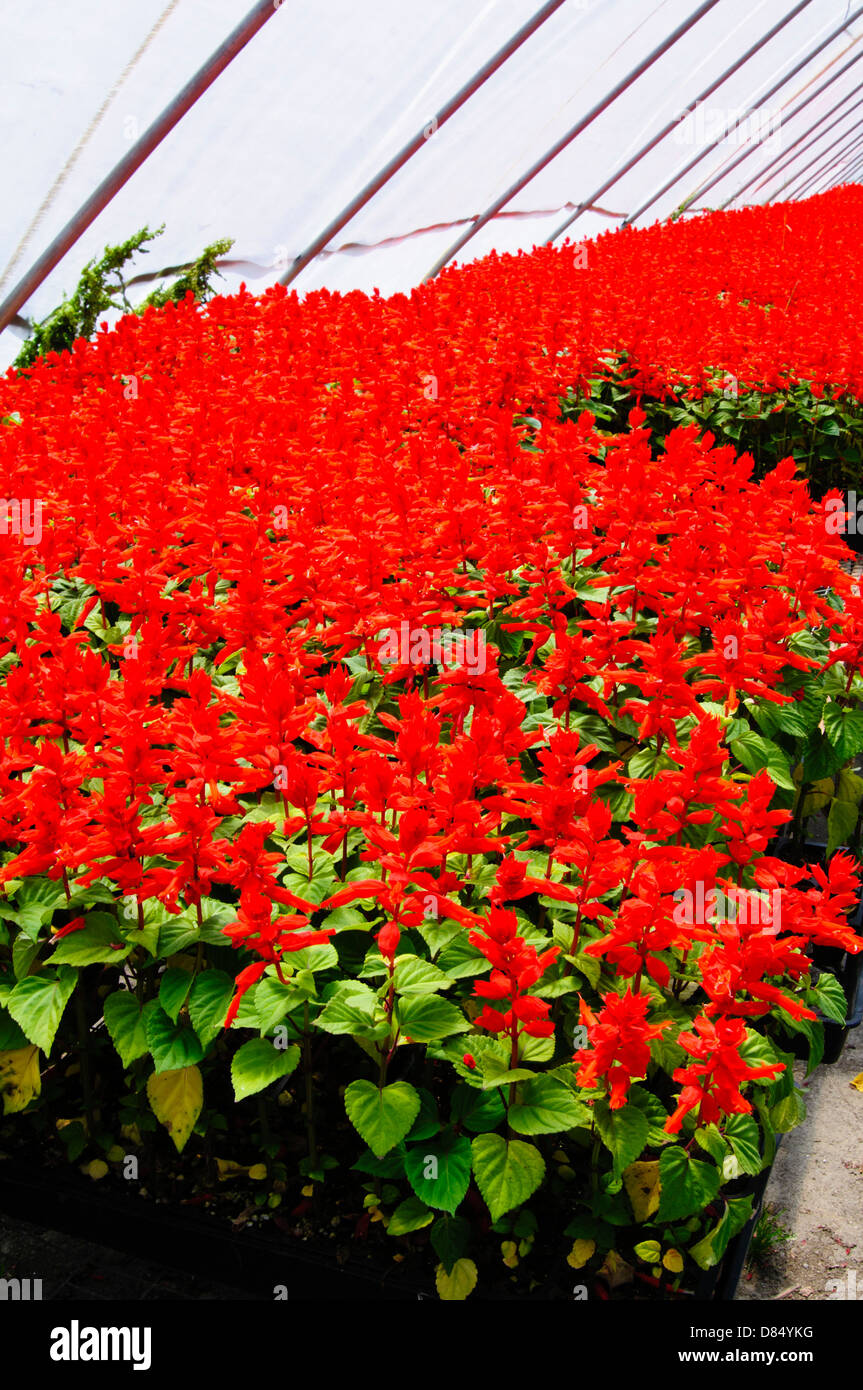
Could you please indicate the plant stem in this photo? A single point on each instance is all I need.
(84, 1062)
(310, 1089)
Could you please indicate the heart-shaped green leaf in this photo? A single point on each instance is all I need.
(258, 1062)
(438, 1170)
(381, 1117)
(507, 1172)
(125, 1023)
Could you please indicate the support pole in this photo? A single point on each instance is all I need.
(407, 152)
(567, 139)
(140, 151)
(792, 72)
(667, 129)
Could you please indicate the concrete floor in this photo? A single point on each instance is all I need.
(818, 1181)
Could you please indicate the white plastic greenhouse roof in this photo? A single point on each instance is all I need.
(327, 92)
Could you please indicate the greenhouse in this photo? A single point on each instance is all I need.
(431, 661)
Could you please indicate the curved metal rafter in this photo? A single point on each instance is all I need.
(711, 145)
(817, 159)
(764, 174)
(567, 139)
(672, 124)
(140, 151)
(407, 151)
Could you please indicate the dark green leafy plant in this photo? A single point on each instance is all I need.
(103, 287)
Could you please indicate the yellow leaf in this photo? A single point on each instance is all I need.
(455, 1286)
(97, 1169)
(509, 1251)
(673, 1260)
(131, 1134)
(857, 1082)
(227, 1168)
(308, 1190)
(116, 1154)
(649, 1251)
(75, 1120)
(641, 1181)
(581, 1252)
(615, 1270)
(19, 1078)
(258, 1172)
(176, 1098)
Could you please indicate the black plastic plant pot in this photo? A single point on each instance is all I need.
(251, 1262)
(256, 1263)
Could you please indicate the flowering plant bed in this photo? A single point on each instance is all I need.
(388, 777)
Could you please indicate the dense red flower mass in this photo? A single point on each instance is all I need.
(326, 605)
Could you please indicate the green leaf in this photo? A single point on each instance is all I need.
(507, 1172)
(427, 1122)
(176, 934)
(324, 956)
(24, 952)
(381, 1117)
(841, 821)
(97, 942)
(545, 1106)
(174, 1046)
(820, 758)
(426, 1018)
(460, 959)
(274, 1001)
(125, 1023)
(709, 1139)
(450, 1238)
(409, 1215)
(12, 1039)
(35, 903)
(413, 975)
(709, 1250)
(624, 1132)
(844, 730)
(478, 1111)
(173, 989)
(258, 1063)
(828, 997)
(494, 1064)
(208, 1003)
(588, 966)
(788, 1112)
(656, 1114)
(436, 935)
(37, 1003)
(755, 753)
(849, 787)
(349, 1010)
(392, 1166)
(438, 1170)
(744, 1136)
(687, 1186)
